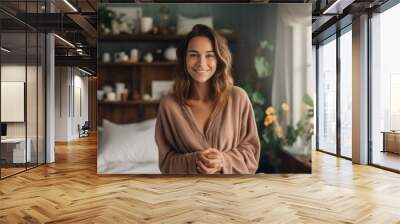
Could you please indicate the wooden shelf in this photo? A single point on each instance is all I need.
(151, 37)
(130, 102)
(155, 63)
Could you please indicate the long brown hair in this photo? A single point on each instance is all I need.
(221, 81)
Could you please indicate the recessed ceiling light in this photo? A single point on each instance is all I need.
(64, 40)
(84, 71)
(70, 5)
(5, 50)
(337, 7)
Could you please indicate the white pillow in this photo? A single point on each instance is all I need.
(185, 25)
(128, 142)
(132, 126)
(108, 126)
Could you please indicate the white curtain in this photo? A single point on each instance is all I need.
(292, 67)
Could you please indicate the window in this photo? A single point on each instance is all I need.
(346, 93)
(327, 96)
(385, 87)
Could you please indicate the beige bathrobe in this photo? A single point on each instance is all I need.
(230, 129)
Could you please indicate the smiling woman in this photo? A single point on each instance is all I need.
(207, 125)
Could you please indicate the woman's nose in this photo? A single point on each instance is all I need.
(202, 60)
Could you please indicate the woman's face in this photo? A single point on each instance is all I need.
(201, 60)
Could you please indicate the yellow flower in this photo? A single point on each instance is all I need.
(268, 120)
(285, 107)
(279, 131)
(269, 111)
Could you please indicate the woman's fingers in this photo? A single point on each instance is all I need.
(212, 161)
(204, 169)
(203, 158)
(207, 151)
(211, 150)
(212, 156)
(211, 153)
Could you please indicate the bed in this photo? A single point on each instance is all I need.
(127, 148)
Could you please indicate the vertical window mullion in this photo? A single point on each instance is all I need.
(338, 73)
(317, 97)
(26, 86)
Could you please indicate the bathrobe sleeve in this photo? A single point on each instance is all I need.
(244, 158)
(171, 158)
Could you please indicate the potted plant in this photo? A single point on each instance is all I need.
(275, 135)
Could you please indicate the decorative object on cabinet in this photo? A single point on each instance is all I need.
(106, 16)
(124, 95)
(146, 97)
(148, 58)
(107, 89)
(100, 94)
(119, 90)
(121, 57)
(170, 53)
(155, 30)
(134, 55)
(163, 20)
(160, 88)
(185, 24)
(106, 57)
(126, 19)
(146, 24)
(158, 55)
(111, 96)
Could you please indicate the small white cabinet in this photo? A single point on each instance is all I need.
(13, 150)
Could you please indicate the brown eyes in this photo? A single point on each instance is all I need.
(196, 55)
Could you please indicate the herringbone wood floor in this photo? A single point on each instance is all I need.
(70, 191)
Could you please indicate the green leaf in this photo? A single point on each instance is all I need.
(308, 100)
(262, 66)
(291, 135)
(264, 44)
(265, 137)
(257, 98)
(259, 114)
(248, 88)
(270, 47)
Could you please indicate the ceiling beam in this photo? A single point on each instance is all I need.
(84, 24)
(81, 61)
(337, 7)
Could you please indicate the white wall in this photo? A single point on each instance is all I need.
(16, 73)
(61, 103)
(71, 93)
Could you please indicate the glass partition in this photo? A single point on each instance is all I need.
(22, 87)
(14, 145)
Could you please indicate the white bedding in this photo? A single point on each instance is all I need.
(127, 148)
(129, 168)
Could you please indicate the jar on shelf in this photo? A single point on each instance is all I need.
(163, 19)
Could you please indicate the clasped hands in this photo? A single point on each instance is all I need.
(209, 161)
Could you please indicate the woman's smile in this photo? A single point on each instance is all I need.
(202, 71)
